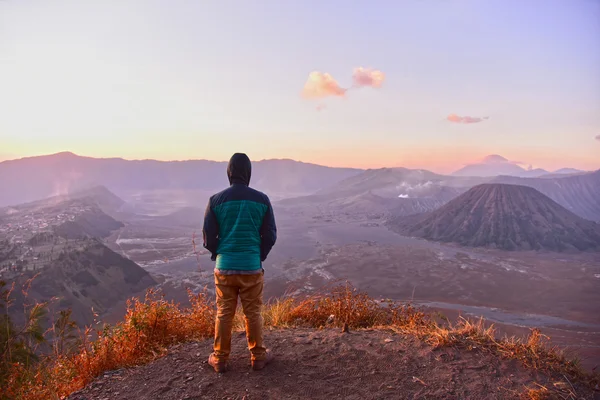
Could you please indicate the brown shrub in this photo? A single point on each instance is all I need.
(343, 305)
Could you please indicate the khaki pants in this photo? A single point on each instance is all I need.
(250, 290)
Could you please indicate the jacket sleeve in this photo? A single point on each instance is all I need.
(210, 231)
(268, 232)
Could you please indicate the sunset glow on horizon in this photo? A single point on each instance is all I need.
(431, 85)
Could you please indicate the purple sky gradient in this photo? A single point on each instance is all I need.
(183, 79)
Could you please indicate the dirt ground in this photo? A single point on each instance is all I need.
(325, 364)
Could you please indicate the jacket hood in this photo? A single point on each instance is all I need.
(239, 169)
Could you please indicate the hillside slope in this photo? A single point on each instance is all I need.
(394, 180)
(382, 192)
(326, 364)
(92, 222)
(84, 277)
(502, 216)
(98, 195)
(577, 193)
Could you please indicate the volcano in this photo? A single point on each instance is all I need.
(509, 217)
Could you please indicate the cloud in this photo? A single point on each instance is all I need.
(367, 77)
(597, 137)
(320, 85)
(465, 120)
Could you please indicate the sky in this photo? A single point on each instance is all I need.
(444, 82)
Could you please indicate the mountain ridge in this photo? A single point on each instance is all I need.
(496, 165)
(376, 193)
(35, 178)
(69, 154)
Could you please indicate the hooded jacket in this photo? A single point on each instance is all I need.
(239, 225)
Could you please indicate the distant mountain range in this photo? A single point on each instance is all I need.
(34, 178)
(400, 191)
(567, 171)
(385, 191)
(495, 165)
(508, 217)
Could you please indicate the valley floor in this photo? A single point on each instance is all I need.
(556, 292)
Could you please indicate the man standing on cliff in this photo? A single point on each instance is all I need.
(239, 230)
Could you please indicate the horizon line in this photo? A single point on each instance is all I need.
(71, 153)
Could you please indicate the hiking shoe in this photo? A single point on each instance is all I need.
(257, 365)
(219, 367)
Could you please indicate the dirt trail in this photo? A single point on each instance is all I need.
(324, 364)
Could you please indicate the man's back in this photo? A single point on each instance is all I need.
(239, 226)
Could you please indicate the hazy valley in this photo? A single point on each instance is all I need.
(95, 246)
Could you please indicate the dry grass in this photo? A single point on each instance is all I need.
(342, 305)
(151, 325)
(561, 389)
